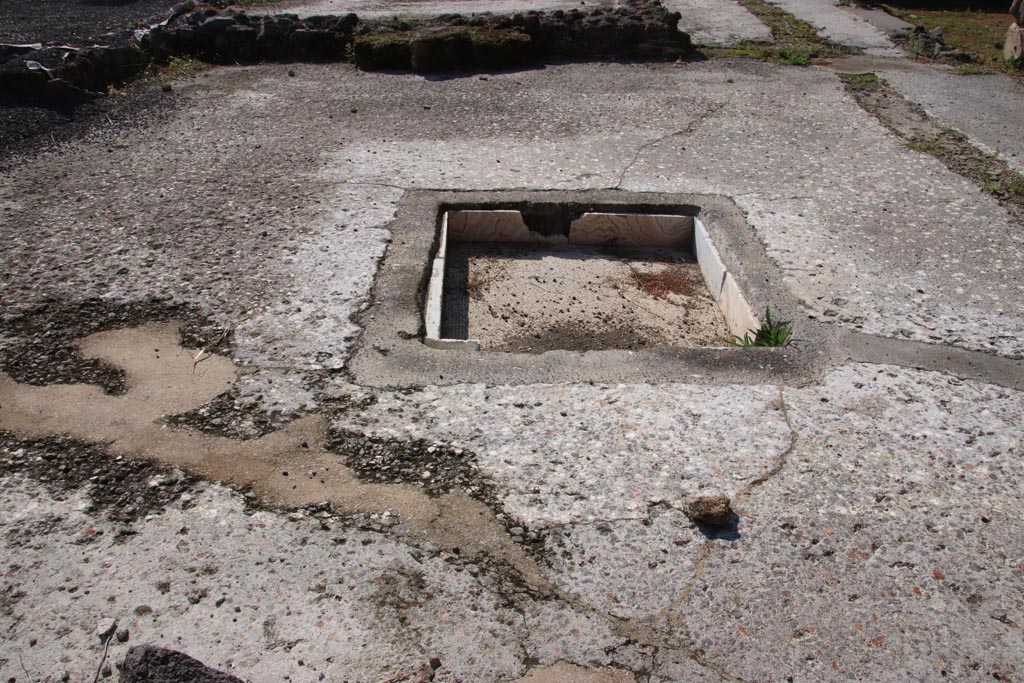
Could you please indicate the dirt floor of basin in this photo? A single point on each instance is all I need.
(532, 299)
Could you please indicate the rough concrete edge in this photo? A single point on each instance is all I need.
(951, 360)
(390, 353)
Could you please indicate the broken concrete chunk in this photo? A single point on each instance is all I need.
(148, 664)
(105, 629)
(713, 511)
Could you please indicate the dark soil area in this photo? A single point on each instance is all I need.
(438, 468)
(573, 338)
(39, 343)
(29, 126)
(123, 489)
(77, 22)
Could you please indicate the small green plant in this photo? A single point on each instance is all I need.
(770, 333)
(789, 55)
(923, 146)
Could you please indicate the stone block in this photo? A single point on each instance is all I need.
(648, 230)
(711, 266)
(1013, 46)
(739, 316)
(374, 51)
(441, 49)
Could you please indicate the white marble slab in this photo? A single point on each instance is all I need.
(453, 344)
(500, 225)
(647, 230)
(739, 316)
(711, 266)
(432, 305)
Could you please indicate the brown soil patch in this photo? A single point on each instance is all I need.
(291, 467)
(533, 299)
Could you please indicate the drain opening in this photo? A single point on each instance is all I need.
(504, 282)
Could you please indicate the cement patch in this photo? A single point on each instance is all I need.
(256, 594)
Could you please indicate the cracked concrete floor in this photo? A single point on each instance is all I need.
(879, 532)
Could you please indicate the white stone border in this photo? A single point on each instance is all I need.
(739, 316)
(433, 305)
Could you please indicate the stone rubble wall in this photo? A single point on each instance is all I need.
(639, 29)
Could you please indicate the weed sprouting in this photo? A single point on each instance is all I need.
(793, 56)
(771, 333)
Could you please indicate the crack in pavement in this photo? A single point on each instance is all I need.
(690, 128)
(783, 457)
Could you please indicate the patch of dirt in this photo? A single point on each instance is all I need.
(661, 285)
(230, 416)
(121, 489)
(569, 338)
(529, 299)
(288, 468)
(922, 134)
(39, 344)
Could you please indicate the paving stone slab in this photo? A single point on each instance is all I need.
(952, 100)
(841, 25)
(721, 23)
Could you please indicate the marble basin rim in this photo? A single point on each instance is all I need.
(540, 225)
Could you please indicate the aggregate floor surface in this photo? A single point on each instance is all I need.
(513, 532)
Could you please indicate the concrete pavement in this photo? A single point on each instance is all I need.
(504, 528)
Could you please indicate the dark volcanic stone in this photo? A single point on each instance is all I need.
(382, 51)
(441, 49)
(148, 664)
(498, 48)
(714, 511)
